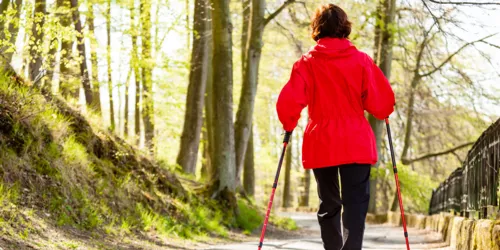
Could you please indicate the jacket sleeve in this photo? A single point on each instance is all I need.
(377, 94)
(292, 100)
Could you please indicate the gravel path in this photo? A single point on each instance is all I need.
(376, 237)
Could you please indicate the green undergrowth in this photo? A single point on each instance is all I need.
(250, 219)
(58, 166)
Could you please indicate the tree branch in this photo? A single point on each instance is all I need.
(427, 156)
(448, 59)
(278, 11)
(464, 3)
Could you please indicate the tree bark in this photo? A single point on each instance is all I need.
(147, 77)
(304, 198)
(250, 79)
(13, 28)
(395, 202)
(110, 72)
(409, 118)
(126, 111)
(83, 56)
(246, 5)
(252, 57)
(193, 118)
(67, 89)
(93, 57)
(224, 156)
(386, 12)
(36, 41)
(249, 169)
(4, 5)
(287, 192)
(209, 113)
(137, 76)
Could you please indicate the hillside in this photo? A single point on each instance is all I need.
(66, 183)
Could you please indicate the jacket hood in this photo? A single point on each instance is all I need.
(333, 47)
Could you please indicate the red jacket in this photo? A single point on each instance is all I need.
(337, 82)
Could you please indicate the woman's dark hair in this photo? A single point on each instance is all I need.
(330, 21)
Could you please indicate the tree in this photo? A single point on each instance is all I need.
(193, 118)
(84, 74)
(93, 57)
(147, 76)
(36, 41)
(137, 76)
(287, 192)
(249, 168)
(67, 89)
(384, 32)
(252, 57)
(304, 197)
(224, 174)
(108, 60)
(12, 28)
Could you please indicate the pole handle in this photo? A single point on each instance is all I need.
(288, 134)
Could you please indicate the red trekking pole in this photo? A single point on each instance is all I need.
(269, 206)
(401, 208)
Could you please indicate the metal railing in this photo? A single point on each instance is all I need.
(473, 188)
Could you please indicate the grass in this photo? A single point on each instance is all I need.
(74, 174)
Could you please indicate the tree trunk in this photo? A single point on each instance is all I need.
(188, 42)
(67, 88)
(93, 57)
(193, 118)
(147, 77)
(245, 4)
(209, 114)
(137, 77)
(249, 169)
(386, 13)
(250, 79)
(83, 56)
(126, 111)
(395, 202)
(13, 29)
(304, 198)
(36, 41)
(287, 192)
(224, 156)
(4, 5)
(110, 72)
(409, 118)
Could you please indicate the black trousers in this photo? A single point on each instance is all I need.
(355, 189)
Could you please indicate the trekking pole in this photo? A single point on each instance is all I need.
(401, 208)
(269, 206)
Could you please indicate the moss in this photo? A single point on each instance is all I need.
(483, 239)
(465, 239)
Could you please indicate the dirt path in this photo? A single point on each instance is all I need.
(376, 237)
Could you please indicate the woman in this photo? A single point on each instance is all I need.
(337, 83)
